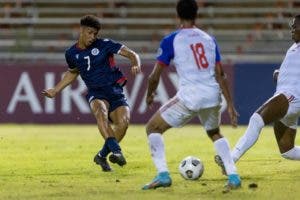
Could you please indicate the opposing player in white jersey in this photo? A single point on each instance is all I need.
(283, 108)
(201, 80)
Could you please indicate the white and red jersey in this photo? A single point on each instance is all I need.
(289, 73)
(195, 54)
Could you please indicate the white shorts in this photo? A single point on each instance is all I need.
(176, 114)
(223, 103)
(293, 113)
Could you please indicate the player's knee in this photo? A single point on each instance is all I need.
(149, 128)
(101, 114)
(100, 111)
(123, 124)
(153, 127)
(157, 125)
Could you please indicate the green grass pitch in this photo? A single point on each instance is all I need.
(56, 162)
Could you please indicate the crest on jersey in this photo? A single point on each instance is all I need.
(77, 56)
(95, 51)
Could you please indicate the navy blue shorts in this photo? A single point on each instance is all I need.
(113, 94)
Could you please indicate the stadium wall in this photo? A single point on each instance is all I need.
(253, 85)
(22, 102)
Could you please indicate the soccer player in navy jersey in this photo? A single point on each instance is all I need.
(92, 58)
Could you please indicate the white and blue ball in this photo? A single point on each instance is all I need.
(191, 168)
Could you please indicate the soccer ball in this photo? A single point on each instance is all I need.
(191, 168)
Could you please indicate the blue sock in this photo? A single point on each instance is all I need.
(113, 145)
(104, 151)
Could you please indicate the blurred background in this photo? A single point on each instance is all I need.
(253, 36)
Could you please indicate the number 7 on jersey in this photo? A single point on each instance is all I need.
(88, 62)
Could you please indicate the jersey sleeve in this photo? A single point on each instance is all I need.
(165, 51)
(112, 46)
(218, 55)
(69, 61)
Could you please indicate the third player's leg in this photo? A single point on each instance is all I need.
(285, 136)
(273, 109)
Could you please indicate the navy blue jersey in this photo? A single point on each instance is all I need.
(96, 63)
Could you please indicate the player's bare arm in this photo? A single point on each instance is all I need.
(134, 59)
(153, 81)
(222, 80)
(67, 79)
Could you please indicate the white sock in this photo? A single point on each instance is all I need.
(223, 150)
(251, 135)
(293, 154)
(157, 149)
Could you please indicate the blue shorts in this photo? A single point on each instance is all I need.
(113, 94)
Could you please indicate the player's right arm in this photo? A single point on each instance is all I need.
(164, 55)
(222, 80)
(134, 59)
(67, 79)
(153, 81)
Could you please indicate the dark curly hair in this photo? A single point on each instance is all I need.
(90, 21)
(187, 9)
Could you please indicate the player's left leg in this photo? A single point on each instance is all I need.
(285, 131)
(120, 118)
(103, 102)
(272, 110)
(118, 114)
(285, 137)
(224, 159)
(210, 118)
(99, 108)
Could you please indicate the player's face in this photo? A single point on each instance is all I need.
(295, 29)
(88, 35)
